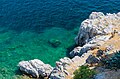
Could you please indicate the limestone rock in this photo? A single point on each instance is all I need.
(97, 24)
(60, 71)
(56, 74)
(78, 51)
(95, 15)
(35, 68)
(65, 67)
(26, 67)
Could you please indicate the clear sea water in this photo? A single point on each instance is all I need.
(28, 26)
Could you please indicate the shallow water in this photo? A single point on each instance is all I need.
(27, 26)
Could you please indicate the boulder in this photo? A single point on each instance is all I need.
(27, 68)
(36, 68)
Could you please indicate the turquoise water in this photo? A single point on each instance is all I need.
(29, 29)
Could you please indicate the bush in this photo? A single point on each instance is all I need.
(84, 73)
(113, 62)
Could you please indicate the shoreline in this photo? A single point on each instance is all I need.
(96, 34)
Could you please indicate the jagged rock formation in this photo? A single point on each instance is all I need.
(97, 24)
(95, 31)
(65, 67)
(99, 35)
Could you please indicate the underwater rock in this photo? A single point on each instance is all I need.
(36, 68)
(54, 42)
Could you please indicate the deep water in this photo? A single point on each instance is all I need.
(29, 29)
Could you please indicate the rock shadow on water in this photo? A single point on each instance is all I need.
(69, 49)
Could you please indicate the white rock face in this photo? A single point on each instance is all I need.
(35, 68)
(93, 43)
(66, 66)
(60, 71)
(95, 15)
(95, 31)
(26, 67)
(97, 24)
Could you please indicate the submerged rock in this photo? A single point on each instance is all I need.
(54, 42)
(36, 68)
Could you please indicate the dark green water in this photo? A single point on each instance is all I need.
(27, 28)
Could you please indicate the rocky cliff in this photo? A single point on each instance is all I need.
(98, 35)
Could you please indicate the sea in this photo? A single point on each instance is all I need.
(42, 29)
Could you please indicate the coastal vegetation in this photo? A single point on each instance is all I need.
(84, 73)
(113, 62)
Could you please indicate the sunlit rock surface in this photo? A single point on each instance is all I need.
(97, 31)
(65, 66)
(35, 68)
(97, 24)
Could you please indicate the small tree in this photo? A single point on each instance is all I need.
(84, 73)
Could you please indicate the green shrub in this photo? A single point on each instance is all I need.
(84, 73)
(113, 62)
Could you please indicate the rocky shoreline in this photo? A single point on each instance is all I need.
(98, 33)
